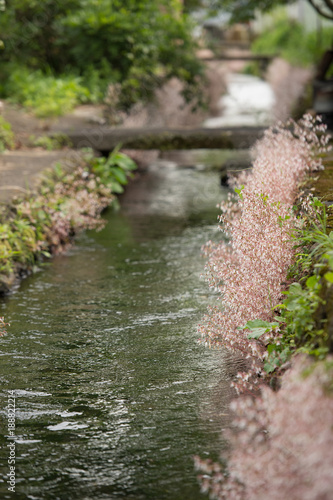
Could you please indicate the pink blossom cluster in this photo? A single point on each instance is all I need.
(282, 443)
(68, 206)
(249, 269)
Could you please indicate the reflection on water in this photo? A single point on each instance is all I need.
(113, 393)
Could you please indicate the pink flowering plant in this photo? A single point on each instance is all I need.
(281, 442)
(275, 275)
(250, 267)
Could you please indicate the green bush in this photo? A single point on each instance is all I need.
(137, 44)
(45, 94)
(113, 171)
(289, 39)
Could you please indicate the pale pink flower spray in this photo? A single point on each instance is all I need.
(250, 269)
(281, 442)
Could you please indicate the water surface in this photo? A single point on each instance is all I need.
(113, 393)
(248, 102)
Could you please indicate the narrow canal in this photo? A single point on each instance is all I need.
(113, 393)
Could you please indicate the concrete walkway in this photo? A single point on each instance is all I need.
(20, 170)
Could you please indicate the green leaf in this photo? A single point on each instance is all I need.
(116, 187)
(271, 348)
(329, 276)
(256, 333)
(119, 175)
(41, 214)
(270, 366)
(258, 327)
(123, 161)
(317, 203)
(312, 281)
(257, 323)
(295, 288)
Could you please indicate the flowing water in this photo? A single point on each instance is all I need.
(249, 101)
(113, 393)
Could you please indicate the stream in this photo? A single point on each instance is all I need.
(113, 393)
(248, 101)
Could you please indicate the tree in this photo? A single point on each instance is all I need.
(323, 7)
(244, 10)
(138, 44)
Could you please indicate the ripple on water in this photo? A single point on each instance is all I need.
(113, 394)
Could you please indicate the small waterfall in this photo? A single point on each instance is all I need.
(249, 101)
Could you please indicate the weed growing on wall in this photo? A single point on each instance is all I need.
(302, 316)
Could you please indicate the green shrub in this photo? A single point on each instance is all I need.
(135, 43)
(289, 39)
(114, 171)
(45, 94)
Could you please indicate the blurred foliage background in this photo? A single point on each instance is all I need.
(76, 48)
